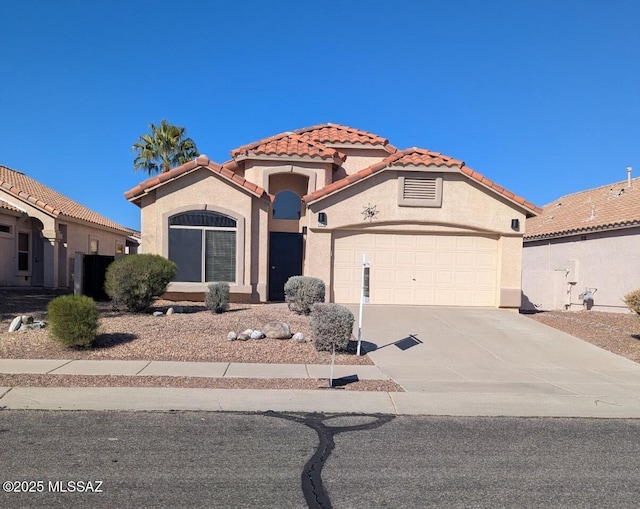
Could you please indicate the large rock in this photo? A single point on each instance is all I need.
(15, 324)
(277, 330)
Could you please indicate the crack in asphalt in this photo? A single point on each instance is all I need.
(312, 487)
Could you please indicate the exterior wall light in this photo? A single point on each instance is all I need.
(322, 219)
(515, 224)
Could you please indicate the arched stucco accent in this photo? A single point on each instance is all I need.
(240, 229)
(295, 170)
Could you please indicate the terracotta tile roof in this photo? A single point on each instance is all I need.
(226, 171)
(30, 191)
(413, 157)
(288, 144)
(607, 207)
(8, 206)
(335, 133)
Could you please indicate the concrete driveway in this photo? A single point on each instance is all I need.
(486, 361)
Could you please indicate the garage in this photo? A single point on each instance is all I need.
(416, 268)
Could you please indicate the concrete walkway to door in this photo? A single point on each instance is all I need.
(486, 361)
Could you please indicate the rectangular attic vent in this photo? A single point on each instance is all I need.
(416, 188)
(420, 191)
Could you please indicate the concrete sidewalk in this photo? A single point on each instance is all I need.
(190, 369)
(450, 361)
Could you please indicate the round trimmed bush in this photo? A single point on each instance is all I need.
(73, 320)
(302, 292)
(217, 298)
(332, 325)
(136, 280)
(632, 300)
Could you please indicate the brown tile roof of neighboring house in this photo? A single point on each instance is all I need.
(335, 133)
(38, 195)
(606, 207)
(288, 144)
(414, 157)
(226, 171)
(8, 206)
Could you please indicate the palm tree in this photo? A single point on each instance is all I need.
(162, 149)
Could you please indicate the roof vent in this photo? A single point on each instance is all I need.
(629, 169)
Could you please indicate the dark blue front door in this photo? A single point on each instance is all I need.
(285, 260)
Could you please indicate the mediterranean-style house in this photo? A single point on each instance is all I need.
(316, 201)
(585, 244)
(41, 231)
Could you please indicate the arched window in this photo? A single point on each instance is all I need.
(202, 244)
(286, 205)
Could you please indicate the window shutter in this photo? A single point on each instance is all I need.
(416, 188)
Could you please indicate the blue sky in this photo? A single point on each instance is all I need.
(540, 96)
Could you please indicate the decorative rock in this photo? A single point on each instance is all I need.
(158, 313)
(248, 332)
(27, 319)
(257, 334)
(277, 330)
(170, 311)
(15, 324)
(232, 336)
(243, 337)
(299, 337)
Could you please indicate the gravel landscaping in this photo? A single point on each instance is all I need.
(192, 335)
(198, 335)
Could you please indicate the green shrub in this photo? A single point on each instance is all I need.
(332, 324)
(217, 298)
(73, 320)
(632, 300)
(136, 280)
(302, 292)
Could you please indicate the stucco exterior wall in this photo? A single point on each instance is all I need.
(201, 190)
(259, 172)
(359, 158)
(556, 271)
(51, 255)
(466, 207)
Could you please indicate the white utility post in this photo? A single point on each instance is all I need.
(364, 296)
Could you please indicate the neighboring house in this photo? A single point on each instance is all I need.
(315, 201)
(587, 241)
(41, 230)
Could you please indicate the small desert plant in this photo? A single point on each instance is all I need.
(332, 325)
(217, 298)
(302, 292)
(73, 320)
(632, 300)
(136, 280)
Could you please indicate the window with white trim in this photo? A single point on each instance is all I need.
(202, 244)
(5, 228)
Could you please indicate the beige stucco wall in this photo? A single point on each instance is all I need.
(201, 190)
(358, 159)
(52, 258)
(466, 207)
(259, 172)
(556, 271)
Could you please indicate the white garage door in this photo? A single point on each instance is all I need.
(433, 269)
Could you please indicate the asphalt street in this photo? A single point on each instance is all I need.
(280, 460)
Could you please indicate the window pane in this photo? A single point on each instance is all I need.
(23, 261)
(220, 259)
(202, 218)
(4, 228)
(185, 249)
(23, 242)
(286, 205)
